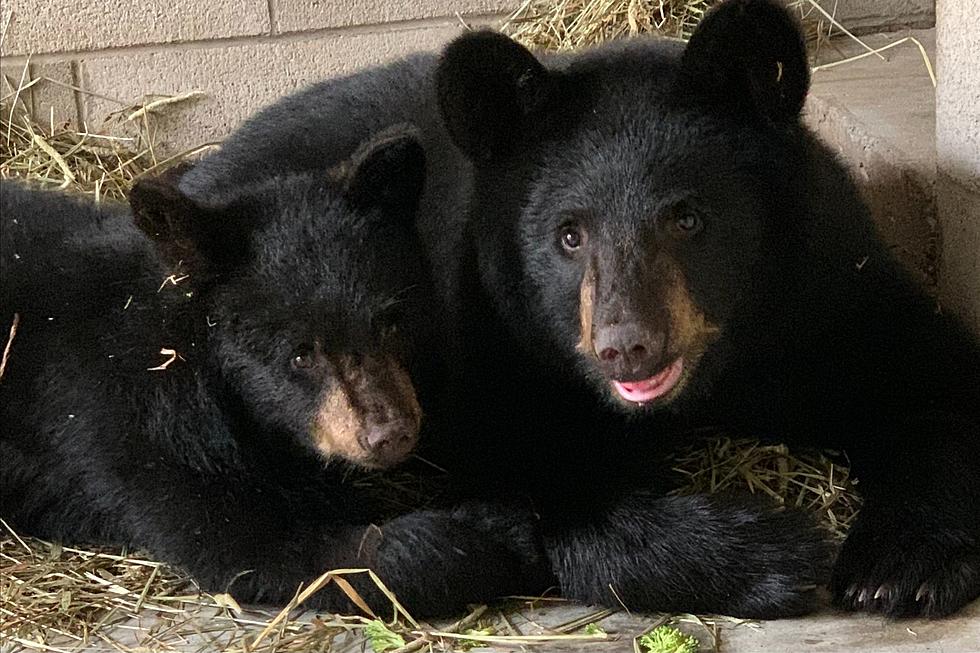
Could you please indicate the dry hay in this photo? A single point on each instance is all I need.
(810, 481)
(55, 598)
(56, 155)
(60, 157)
(570, 24)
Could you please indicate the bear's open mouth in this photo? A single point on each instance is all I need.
(658, 385)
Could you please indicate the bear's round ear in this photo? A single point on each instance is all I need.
(387, 172)
(488, 86)
(183, 230)
(165, 215)
(747, 56)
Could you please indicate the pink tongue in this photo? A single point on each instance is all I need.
(649, 389)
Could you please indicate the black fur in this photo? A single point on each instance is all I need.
(212, 463)
(822, 338)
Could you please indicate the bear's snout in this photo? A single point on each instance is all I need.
(629, 351)
(389, 439)
(371, 415)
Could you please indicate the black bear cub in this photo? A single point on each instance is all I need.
(657, 219)
(179, 375)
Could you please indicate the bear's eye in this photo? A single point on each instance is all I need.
(571, 236)
(391, 337)
(686, 222)
(304, 358)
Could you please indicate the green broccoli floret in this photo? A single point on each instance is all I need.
(594, 629)
(667, 639)
(381, 637)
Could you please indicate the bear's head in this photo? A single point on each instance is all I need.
(624, 196)
(316, 296)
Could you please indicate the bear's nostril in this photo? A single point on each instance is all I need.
(390, 443)
(377, 438)
(638, 351)
(609, 354)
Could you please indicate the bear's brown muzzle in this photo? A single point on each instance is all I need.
(370, 416)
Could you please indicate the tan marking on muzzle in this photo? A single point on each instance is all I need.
(337, 427)
(586, 309)
(690, 329)
(342, 418)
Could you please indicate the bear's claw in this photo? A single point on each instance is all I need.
(929, 572)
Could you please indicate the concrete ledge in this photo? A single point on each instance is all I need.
(880, 117)
(69, 26)
(958, 92)
(864, 16)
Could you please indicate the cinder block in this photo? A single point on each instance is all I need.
(13, 76)
(44, 26)
(299, 15)
(865, 16)
(54, 100)
(46, 101)
(237, 79)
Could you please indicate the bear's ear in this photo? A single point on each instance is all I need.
(387, 172)
(747, 56)
(183, 230)
(488, 87)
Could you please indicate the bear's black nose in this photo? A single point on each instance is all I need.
(390, 442)
(629, 351)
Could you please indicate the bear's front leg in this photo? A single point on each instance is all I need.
(915, 547)
(261, 540)
(438, 561)
(699, 553)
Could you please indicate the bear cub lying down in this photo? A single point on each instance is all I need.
(180, 373)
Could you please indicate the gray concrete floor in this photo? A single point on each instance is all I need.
(825, 631)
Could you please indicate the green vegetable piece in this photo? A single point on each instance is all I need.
(381, 637)
(467, 644)
(667, 639)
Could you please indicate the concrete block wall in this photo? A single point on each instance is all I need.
(958, 155)
(241, 54)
